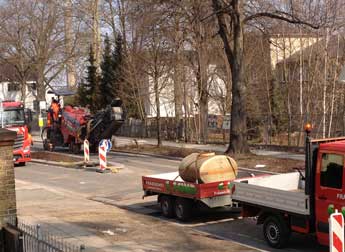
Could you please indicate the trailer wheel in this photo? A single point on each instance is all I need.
(167, 206)
(276, 231)
(183, 209)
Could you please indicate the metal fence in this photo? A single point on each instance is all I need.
(273, 129)
(33, 239)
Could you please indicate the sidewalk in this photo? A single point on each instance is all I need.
(122, 141)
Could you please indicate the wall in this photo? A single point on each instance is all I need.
(7, 182)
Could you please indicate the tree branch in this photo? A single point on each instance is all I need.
(281, 16)
(223, 28)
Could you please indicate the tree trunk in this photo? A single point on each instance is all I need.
(238, 129)
(325, 88)
(178, 97)
(96, 33)
(158, 110)
(234, 52)
(70, 64)
(333, 89)
(300, 90)
(41, 89)
(203, 97)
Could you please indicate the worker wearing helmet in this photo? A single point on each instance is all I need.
(55, 111)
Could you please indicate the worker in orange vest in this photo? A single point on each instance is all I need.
(30, 139)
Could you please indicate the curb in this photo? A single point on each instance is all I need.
(80, 166)
(146, 154)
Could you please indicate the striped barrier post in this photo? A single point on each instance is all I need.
(336, 232)
(86, 151)
(102, 153)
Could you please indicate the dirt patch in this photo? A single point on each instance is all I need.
(272, 164)
(243, 160)
(153, 149)
(54, 156)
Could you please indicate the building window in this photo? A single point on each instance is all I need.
(13, 87)
(32, 86)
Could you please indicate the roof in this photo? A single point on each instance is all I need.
(62, 92)
(318, 48)
(338, 146)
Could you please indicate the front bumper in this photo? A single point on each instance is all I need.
(19, 156)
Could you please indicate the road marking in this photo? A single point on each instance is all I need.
(208, 222)
(220, 237)
(56, 190)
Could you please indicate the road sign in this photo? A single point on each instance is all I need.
(106, 143)
(336, 232)
(43, 105)
(40, 121)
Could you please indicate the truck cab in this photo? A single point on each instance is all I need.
(301, 201)
(329, 185)
(12, 117)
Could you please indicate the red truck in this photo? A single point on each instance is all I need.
(292, 202)
(12, 117)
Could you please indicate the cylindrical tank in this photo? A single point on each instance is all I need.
(207, 168)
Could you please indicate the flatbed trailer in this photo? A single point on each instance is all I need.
(177, 198)
(284, 192)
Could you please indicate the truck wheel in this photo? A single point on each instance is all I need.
(45, 144)
(183, 209)
(22, 164)
(167, 206)
(276, 231)
(76, 148)
(51, 147)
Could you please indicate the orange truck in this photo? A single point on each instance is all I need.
(12, 117)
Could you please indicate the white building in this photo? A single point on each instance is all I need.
(11, 91)
(166, 94)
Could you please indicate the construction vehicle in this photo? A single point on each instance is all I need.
(70, 126)
(13, 117)
(299, 201)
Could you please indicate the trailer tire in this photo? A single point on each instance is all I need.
(276, 231)
(183, 209)
(167, 206)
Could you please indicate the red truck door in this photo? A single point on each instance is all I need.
(329, 190)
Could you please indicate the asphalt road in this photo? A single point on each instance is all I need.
(124, 190)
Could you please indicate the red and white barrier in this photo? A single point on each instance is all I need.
(336, 232)
(102, 153)
(86, 151)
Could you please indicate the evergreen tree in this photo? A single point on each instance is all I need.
(118, 66)
(121, 88)
(81, 94)
(107, 84)
(92, 92)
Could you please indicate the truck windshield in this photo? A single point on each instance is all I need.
(12, 117)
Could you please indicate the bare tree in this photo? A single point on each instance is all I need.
(70, 64)
(232, 17)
